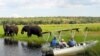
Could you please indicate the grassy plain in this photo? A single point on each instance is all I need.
(93, 33)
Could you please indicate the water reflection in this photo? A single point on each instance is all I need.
(17, 50)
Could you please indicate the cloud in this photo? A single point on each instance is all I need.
(95, 1)
(47, 3)
(38, 7)
(2, 4)
(15, 15)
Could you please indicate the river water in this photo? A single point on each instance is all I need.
(18, 50)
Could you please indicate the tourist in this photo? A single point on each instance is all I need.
(71, 42)
(62, 43)
(54, 42)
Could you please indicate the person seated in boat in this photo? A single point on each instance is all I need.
(62, 43)
(71, 42)
(54, 43)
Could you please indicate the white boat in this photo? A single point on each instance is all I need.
(68, 50)
(80, 47)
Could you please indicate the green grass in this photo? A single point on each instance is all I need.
(93, 34)
(52, 27)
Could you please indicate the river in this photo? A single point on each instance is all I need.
(20, 50)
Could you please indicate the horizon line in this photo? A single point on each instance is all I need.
(42, 16)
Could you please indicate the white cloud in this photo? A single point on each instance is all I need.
(95, 1)
(30, 4)
(42, 4)
(2, 4)
(18, 8)
(15, 15)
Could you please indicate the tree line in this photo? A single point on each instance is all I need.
(49, 20)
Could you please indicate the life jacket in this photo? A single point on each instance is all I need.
(71, 43)
(54, 43)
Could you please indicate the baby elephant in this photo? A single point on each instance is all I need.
(10, 30)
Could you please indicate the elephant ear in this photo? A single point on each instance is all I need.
(5, 26)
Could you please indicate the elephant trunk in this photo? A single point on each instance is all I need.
(22, 32)
(40, 35)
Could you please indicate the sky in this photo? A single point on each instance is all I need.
(32, 8)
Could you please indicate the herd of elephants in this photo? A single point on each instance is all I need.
(12, 29)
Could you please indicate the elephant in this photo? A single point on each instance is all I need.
(32, 29)
(10, 30)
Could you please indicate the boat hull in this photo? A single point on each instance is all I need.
(69, 50)
(74, 50)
